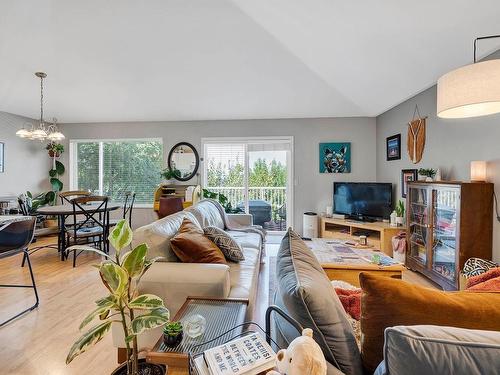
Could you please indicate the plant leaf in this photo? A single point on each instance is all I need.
(121, 235)
(57, 185)
(89, 339)
(133, 261)
(89, 248)
(114, 277)
(146, 301)
(155, 318)
(60, 168)
(103, 306)
(52, 173)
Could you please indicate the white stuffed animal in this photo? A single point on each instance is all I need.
(303, 356)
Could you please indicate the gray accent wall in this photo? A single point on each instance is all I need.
(450, 145)
(26, 162)
(312, 190)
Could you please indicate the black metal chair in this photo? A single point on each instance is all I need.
(128, 206)
(14, 239)
(39, 232)
(93, 229)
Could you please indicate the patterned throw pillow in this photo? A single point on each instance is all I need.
(228, 245)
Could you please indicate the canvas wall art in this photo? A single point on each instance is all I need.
(335, 157)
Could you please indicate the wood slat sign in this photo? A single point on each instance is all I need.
(416, 139)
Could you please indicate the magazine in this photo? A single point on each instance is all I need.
(248, 355)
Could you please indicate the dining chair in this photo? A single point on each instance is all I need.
(14, 239)
(128, 206)
(66, 196)
(39, 232)
(93, 228)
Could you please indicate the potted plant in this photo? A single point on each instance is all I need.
(400, 212)
(55, 149)
(428, 173)
(172, 333)
(222, 199)
(169, 175)
(135, 313)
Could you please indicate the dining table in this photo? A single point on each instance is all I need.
(63, 211)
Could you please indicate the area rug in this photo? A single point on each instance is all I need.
(272, 279)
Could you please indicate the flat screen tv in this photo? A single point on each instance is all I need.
(363, 200)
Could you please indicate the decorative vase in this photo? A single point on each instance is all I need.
(428, 179)
(439, 176)
(145, 368)
(172, 341)
(50, 223)
(170, 182)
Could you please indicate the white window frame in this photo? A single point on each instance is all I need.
(263, 139)
(73, 183)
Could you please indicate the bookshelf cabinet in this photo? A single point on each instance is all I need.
(447, 223)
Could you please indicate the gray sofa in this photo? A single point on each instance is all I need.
(174, 281)
(305, 293)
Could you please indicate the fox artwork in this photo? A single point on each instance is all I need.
(335, 157)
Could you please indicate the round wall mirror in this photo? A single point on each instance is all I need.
(184, 161)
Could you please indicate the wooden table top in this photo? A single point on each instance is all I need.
(335, 253)
(67, 209)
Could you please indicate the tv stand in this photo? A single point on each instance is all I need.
(361, 219)
(379, 233)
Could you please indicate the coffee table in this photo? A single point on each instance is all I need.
(344, 262)
(221, 315)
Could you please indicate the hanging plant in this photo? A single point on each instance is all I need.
(55, 181)
(55, 149)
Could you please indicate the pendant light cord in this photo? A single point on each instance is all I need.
(496, 206)
(41, 100)
(482, 38)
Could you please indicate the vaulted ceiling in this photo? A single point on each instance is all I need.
(130, 60)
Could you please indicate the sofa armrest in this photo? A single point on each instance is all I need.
(239, 220)
(174, 282)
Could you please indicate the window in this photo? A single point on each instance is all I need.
(113, 167)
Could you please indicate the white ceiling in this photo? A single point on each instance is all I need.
(130, 60)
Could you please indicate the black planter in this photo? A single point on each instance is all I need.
(144, 369)
(172, 341)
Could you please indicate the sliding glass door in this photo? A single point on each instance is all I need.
(254, 175)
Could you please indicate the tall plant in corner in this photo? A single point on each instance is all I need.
(121, 277)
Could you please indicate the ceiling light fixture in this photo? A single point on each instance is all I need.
(41, 133)
(472, 90)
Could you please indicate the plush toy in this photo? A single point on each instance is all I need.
(303, 356)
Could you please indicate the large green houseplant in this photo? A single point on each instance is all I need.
(135, 313)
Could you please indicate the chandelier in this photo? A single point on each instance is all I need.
(44, 131)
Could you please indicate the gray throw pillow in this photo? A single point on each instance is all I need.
(228, 245)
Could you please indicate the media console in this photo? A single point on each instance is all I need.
(379, 233)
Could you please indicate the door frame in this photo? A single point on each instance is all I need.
(290, 198)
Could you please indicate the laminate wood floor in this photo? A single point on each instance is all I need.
(37, 342)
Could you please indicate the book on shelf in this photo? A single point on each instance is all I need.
(248, 355)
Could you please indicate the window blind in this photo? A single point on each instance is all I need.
(127, 165)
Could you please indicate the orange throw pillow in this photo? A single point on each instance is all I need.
(388, 302)
(191, 246)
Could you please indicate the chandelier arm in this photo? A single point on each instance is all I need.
(482, 38)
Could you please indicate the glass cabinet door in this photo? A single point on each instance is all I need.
(444, 232)
(419, 222)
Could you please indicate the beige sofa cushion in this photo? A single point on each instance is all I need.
(157, 235)
(244, 275)
(251, 240)
(207, 214)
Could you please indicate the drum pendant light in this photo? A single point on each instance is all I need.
(470, 91)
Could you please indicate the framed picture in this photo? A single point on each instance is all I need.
(393, 147)
(407, 175)
(2, 160)
(335, 157)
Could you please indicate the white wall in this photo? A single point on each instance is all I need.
(450, 145)
(26, 162)
(313, 191)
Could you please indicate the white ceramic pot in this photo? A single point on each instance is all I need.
(399, 221)
(428, 179)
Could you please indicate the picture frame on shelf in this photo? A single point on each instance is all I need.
(393, 147)
(407, 175)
